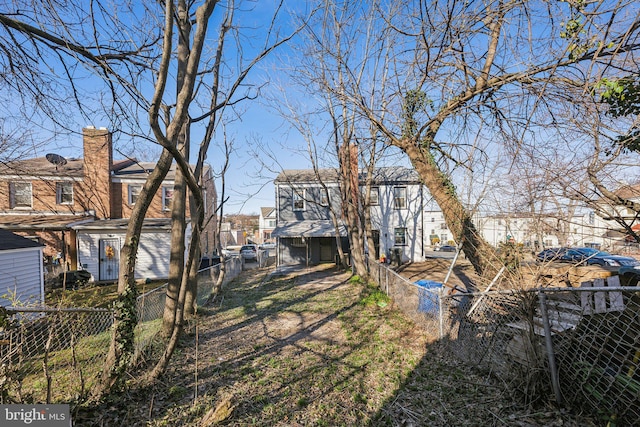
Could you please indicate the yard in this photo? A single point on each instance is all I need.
(314, 348)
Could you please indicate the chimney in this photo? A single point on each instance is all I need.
(98, 162)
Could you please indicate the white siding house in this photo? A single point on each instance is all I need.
(99, 245)
(21, 270)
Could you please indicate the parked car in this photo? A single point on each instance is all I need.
(592, 256)
(551, 254)
(629, 275)
(249, 252)
(447, 248)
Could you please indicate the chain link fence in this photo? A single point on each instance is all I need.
(56, 355)
(578, 346)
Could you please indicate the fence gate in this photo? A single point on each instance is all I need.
(109, 259)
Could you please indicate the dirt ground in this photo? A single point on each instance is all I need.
(462, 276)
(314, 348)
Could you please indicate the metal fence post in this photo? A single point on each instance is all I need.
(549, 346)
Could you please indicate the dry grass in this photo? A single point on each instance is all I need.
(315, 349)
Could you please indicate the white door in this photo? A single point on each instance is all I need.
(109, 259)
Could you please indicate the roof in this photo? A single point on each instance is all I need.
(149, 224)
(140, 170)
(380, 175)
(41, 167)
(319, 228)
(74, 168)
(41, 222)
(265, 212)
(9, 241)
(628, 191)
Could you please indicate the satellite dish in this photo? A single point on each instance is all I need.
(56, 159)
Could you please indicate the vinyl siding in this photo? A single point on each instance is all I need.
(21, 277)
(153, 253)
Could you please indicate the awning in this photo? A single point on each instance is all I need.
(319, 228)
(41, 222)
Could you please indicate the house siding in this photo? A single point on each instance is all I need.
(21, 277)
(152, 261)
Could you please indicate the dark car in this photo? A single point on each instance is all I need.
(592, 256)
(551, 254)
(629, 276)
(447, 248)
(206, 261)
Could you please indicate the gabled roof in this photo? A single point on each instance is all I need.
(9, 241)
(628, 191)
(267, 211)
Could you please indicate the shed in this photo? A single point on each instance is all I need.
(21, 270)
(99, 244)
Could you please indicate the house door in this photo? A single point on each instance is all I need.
(109, 259)
(326, 250)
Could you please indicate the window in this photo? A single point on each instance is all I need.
(400, 197)
(64, 193)
(134, 192)
(443, 226)
(324, 200)
(271, 223)
(400, 236)
(205, 201)
(298, 200)
(21, 195)
(167, 198)
(375, 196)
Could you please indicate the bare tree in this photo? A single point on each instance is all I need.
(199, 84)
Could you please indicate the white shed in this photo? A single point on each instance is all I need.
(21, 270)
(99, 244)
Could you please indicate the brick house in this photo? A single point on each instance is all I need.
(47, 198)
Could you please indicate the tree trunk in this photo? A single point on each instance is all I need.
(478, 251)
(122, 348)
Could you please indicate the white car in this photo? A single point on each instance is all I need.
(249, 252)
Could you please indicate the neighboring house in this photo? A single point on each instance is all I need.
(267, 223)
(99, 244)
(48, 197)
(21, 270)
(305, 230)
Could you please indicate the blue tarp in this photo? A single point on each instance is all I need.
(429, 296)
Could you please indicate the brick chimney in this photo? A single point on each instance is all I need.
(98, 162)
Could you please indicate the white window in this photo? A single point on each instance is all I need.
(64, 193)
(271, 223)
(400, 236)
(204, 201)
(400, 197)
(21, 195)
(134, 192)
(167, 198)
(298, 200)
(375, 196)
